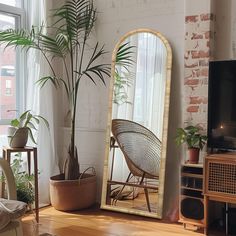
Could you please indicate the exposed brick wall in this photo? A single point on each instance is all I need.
(198, 38)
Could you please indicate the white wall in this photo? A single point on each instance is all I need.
(225, 30)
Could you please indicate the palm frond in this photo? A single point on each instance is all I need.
(17, 38)
(55, 81)
(74, 17)
(44, 80)
(89, 18)
(122, 78)
(97, 53)
(55, 46)
(90, 77)
(62, 43)
(99, 70)
(124, 55)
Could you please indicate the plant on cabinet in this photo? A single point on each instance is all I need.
(195, 140)
(68, 40)
(24, 127)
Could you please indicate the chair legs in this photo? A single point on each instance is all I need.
(146, 193)
(147, 199)
(119, 193)
(116, 198)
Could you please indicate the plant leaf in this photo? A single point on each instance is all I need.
(15, 123)
(31, 136)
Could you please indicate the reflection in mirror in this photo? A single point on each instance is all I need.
(137, 130)
(139, 87)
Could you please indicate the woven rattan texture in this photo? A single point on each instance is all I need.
(222, 178)
(141, 148)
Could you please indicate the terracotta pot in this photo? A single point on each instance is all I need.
(193, 154)
(71, 195)
(17, 137)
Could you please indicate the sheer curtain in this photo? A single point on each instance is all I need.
(146, 92)
(148, 104)
(41, 101)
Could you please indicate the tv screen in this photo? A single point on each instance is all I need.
(222, 105)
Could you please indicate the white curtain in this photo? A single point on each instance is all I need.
(146, 93)
(148, 104)
(41, 101)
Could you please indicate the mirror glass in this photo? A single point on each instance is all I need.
(134, 167)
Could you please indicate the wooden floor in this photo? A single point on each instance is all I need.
(96, 222)
(140, 202)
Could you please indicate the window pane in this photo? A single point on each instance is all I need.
(3, 136)
(7, 74)
(14, 3)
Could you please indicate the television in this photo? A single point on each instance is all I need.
(222, 105)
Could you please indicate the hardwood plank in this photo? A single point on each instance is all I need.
(96, 222)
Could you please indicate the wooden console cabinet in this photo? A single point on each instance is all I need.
(219, 179)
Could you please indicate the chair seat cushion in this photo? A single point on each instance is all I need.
(15, 209)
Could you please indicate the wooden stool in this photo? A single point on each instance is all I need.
(7, 156)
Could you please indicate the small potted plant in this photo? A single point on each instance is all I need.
(194, 139)
(23, 127)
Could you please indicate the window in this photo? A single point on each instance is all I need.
(14, 3)
(11, 66)
(8, 71)
(8, 88)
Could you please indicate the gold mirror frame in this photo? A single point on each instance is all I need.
(165, 129)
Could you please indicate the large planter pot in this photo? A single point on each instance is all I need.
(71, 195)
(193, 154)
(18, 137)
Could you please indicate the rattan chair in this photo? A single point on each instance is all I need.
(141, 149)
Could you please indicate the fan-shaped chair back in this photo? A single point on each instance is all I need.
(140, 147)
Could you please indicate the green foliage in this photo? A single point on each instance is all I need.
(24, 181)
(123, 75)
(29, 121)
(67, 39)
(191, 136)
(120, 85)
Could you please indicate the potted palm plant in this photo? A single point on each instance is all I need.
(194, 139)
(67, 40)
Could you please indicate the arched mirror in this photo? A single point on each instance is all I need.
(136, 139)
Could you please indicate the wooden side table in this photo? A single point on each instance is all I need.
(7, 151)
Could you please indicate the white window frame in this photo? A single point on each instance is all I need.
(20, 75)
